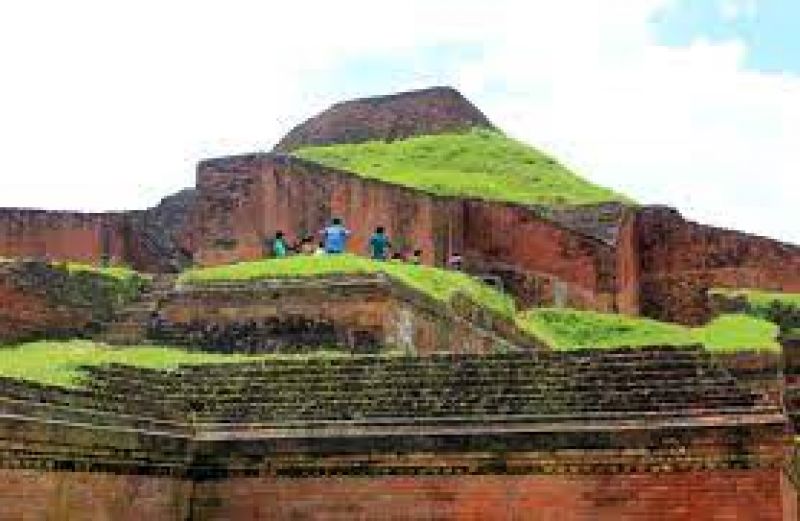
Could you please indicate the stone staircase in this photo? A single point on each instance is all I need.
(130, 324)
(627, 383)
(222, 419)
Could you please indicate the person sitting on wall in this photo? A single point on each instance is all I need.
(379, 244)
(455, 262)
(279, 246)
(416, 258)
(307, 246)
(335, 237)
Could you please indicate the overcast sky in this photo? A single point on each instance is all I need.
(109, 105)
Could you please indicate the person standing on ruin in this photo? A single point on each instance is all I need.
(379, 244)
(279, 247)
(335, 237)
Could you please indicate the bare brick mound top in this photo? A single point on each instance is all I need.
(435, 110)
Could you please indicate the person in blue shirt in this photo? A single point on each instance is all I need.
(379, 244)
(335, 237)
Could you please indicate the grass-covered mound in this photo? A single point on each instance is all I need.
(482, 164)
(439, 284)
(59, 362)
(572, 329)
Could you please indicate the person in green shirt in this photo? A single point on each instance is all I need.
(379, 244)
(279, 246)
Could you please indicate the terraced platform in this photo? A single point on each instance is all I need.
(270, 416)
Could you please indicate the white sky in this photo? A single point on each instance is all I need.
(109, 105)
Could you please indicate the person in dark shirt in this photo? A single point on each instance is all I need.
(379, 244)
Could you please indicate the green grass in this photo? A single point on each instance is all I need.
(566, 329)
(760, 299)
(58, 362)
(481, 163)
(121, 273)
(440, 284)
(738, 333)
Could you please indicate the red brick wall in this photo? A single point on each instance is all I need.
(500, 237)
(680, 260)
(59, 235)
(249, 198)
(244, 199)
(369, 307)
(719, 495)
(78, 496)
(628, 267)
(24, 315)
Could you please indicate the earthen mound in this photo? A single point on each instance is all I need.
(435, 110)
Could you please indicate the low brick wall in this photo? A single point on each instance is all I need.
(728, 494)
(731, 494)
(41, 300)
(85, 496)
(363, 313)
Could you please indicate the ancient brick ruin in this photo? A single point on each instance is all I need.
(472, 419)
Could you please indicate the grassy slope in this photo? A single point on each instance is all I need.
(570, 329)
(481, 163)
(58, 362)
(439, 284)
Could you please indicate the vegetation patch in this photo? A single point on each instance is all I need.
(760, 299)
(59, 362)
(482, 163)
(567, 329)
(124, 282)
(781, 308)
(439, 284)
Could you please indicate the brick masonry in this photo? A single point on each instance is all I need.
(244, 200)
(363, 313)
(680, 260)
(388, 118)
(648, 261)
(135, 457)
(38, 299)
(718, 495)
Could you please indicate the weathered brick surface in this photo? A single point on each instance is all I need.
(387, 118)
(244, 200)
(536, 255)
(38, 299)
(364, 313)
(713, 495)
(149, 240)
(680, 260)
(82, 496)
(697, 459)
(60, 235)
